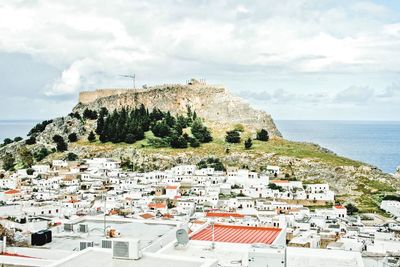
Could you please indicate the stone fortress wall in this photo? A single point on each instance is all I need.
(86, 97)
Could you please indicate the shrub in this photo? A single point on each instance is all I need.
(201, 132)
(130, 139)
(30, 171)
(248, 143)
(178, 142)
(90, 114)
(40, 127)
(73, 137)
(232, 137)
(194, 142)
(263, 135)
(60, 143)
(41, 154)
(92, 137)
(8, 162)
(30, 141)
(351, 209)
(161, 129)
(7, 141)
(17, 139)
(72, 156)
(159, 142)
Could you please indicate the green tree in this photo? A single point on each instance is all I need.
(8, 162)
(92, 137)
(17, 139)
(60, 143)
(100, 125)
(30, 171)
(26, 156)
(232, 136)
(31, 140)
(72, 157)
(7, 141)
(130, 138)
(90, 114)
(351, 209)
(178, 142)
(161, 129)
(201, 132)
(73, 137)
(248, 143)
(194, 142)
(41, 154)
(263, 135)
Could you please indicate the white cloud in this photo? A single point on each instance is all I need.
(266, 41)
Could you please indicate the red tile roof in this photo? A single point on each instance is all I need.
(339, 207)
(238, 234)
(224, 214)
(157, 205)
(12, 191)
(171, 187)
(146, 216)
(280, 181)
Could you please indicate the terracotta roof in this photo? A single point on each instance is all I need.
(339, 207)
(171, 187)
(157, 205)
(73, 201)
(12, 191)
(146, 216)
(113, 212)
(238, 234)
(224, 214)
(280, 181)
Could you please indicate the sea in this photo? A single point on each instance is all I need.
(373, 142)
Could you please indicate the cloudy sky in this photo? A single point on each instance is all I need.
(296, 59)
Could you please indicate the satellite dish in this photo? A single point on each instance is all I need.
(182, 237)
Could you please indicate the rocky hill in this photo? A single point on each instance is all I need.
(213, 103)
(353, 181)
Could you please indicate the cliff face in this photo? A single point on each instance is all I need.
(213, 103)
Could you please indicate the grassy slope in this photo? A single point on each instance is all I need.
(218, 146)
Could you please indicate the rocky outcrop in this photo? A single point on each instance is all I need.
(213, 103)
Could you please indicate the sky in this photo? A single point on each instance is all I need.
(295, 59)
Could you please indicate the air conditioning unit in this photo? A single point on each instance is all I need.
(83, 228)
(128, 249)
(68, 227)
(106, 243)
(85, 244)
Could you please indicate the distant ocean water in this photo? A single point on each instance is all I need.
(12, 129)
(377, 143)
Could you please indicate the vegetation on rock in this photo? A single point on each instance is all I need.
(262, 135)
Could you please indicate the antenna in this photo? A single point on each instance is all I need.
(133, 77)
(212, 234)
(182, 237)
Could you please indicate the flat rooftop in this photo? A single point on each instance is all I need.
(103, 258)
(146, 233)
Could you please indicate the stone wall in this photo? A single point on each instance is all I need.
(87, 97)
